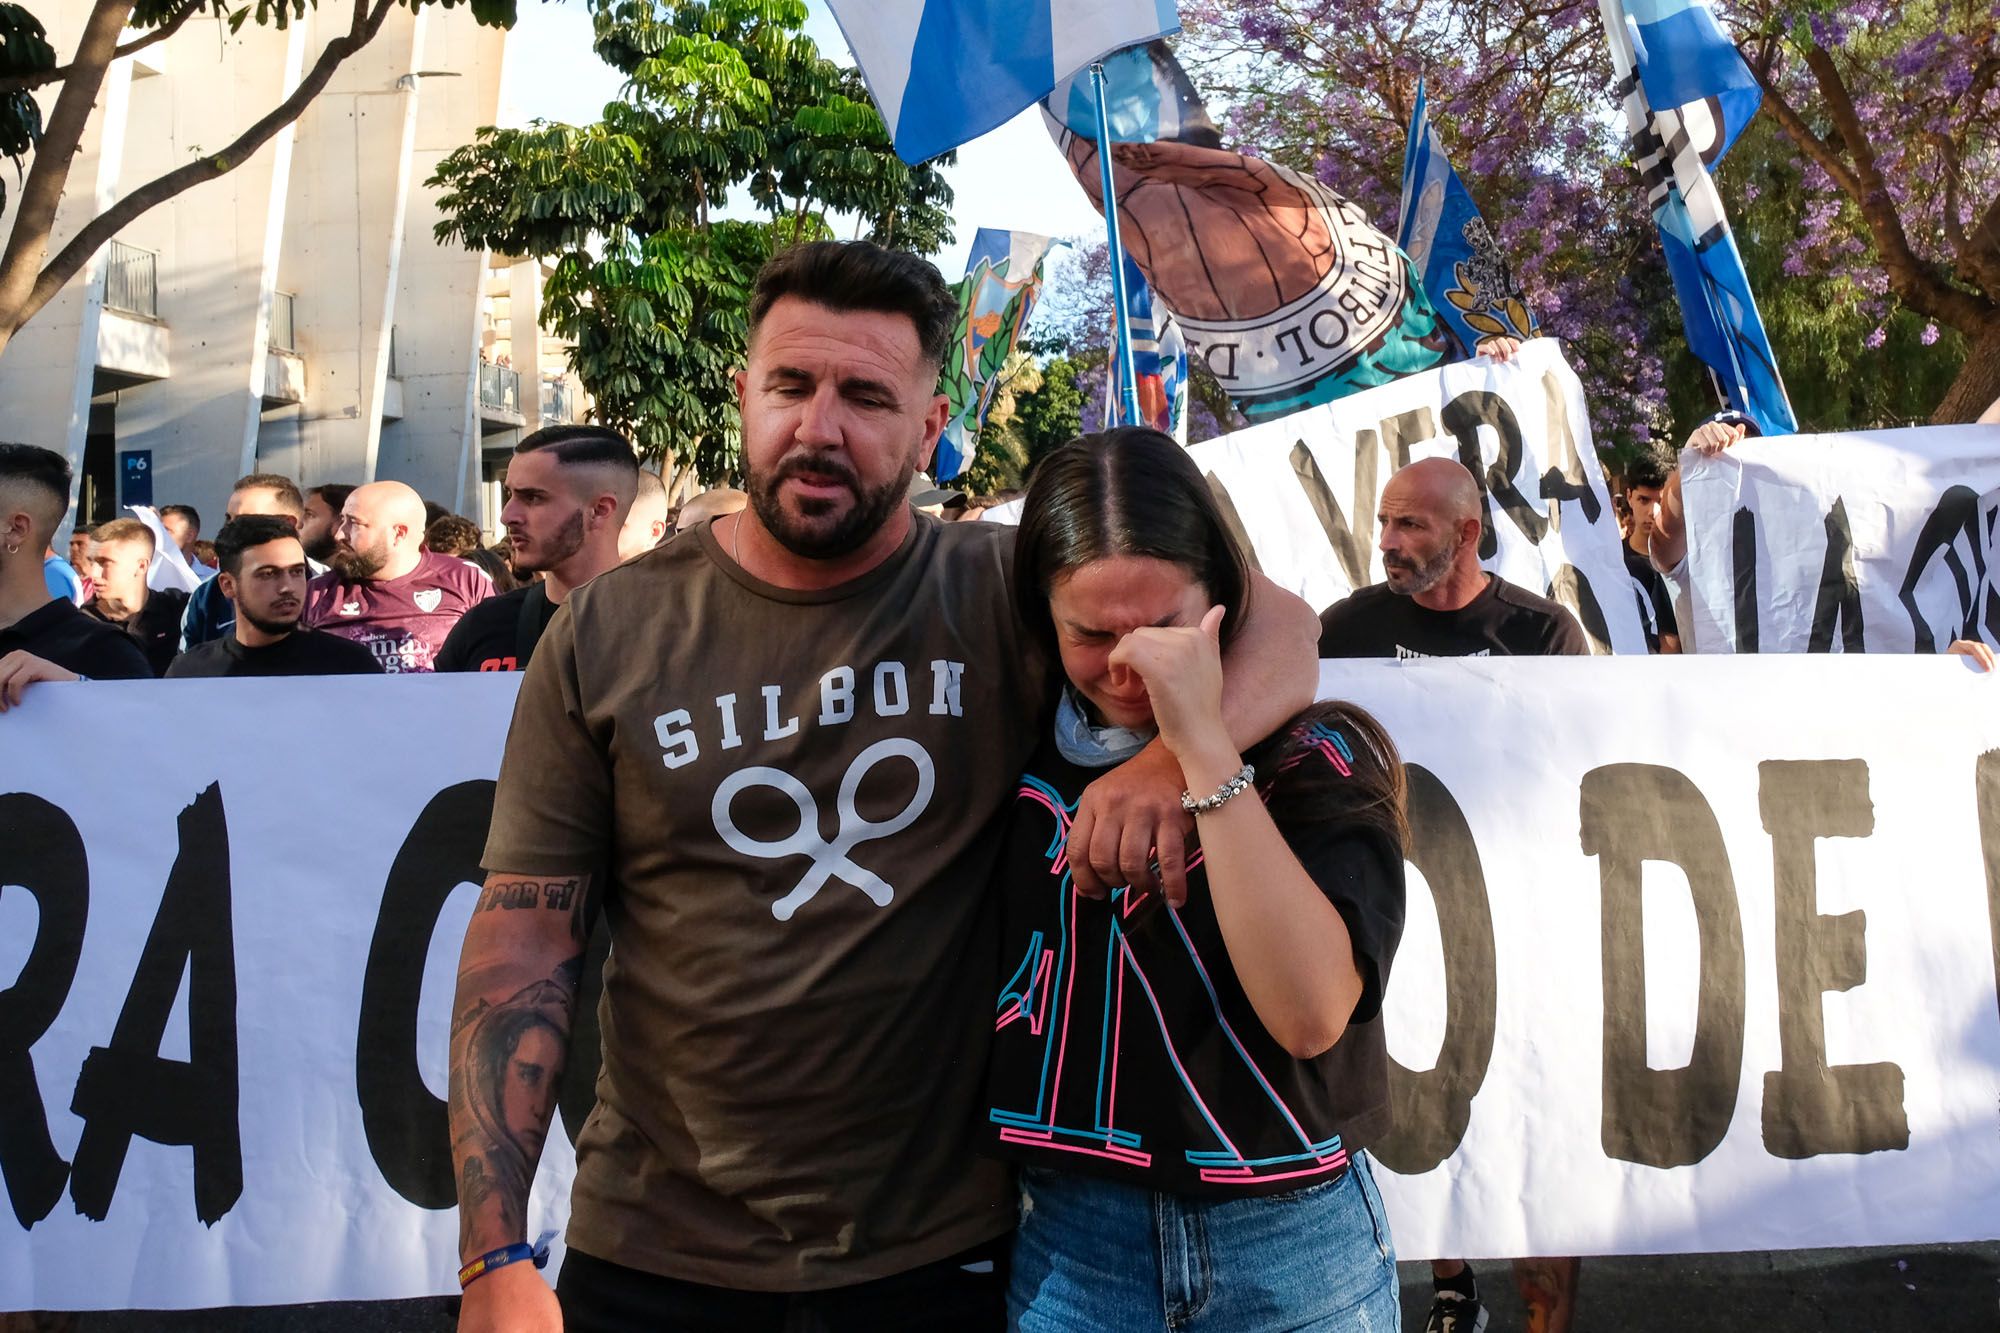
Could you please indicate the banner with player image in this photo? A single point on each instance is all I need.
(1302, 491)
(1875, 541)
(1662, 989)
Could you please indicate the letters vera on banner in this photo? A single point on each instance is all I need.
(1877, 541)
(1301, 492)
(1727, 986)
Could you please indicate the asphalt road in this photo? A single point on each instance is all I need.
(1935, 1289)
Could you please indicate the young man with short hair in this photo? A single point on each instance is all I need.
(122, 552)
(793, 1028)
(649, 521)
(568, 490)
(322, 511)
(44, 637)
(209, 614)
(1645, 483)
(385, 590)
(263, 573)
(183, 526)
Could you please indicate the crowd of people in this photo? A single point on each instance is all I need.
(1061, 756)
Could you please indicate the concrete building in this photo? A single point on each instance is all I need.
(295, 315)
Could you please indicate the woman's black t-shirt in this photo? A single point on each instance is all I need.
(1124, 1045)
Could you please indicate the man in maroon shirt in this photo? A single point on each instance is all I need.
(385, 590)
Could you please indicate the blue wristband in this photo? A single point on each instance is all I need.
(506, 1254)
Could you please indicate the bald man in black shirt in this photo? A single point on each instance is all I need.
(1436, 600)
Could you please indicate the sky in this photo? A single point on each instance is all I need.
(1011, 178)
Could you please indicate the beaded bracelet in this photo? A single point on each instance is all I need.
(506, 1254)
(1234, 787)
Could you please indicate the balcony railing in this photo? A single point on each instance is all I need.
(284, 322)
(560, 401)
(132, 281)
(499, 387)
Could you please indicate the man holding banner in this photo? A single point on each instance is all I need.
(797, 1001)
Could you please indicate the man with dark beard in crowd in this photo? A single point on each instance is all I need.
(263, 573)
(568, 491)
(323, 505)
(385, 591)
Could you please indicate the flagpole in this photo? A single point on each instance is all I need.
(1127, 383)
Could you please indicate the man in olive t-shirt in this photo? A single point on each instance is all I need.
(776, 749)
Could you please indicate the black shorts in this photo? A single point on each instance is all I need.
(966, 1293)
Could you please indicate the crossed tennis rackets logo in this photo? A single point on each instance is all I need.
(830, 859)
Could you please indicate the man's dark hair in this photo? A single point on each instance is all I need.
(1648, 469)
(860, 275)
(282, 486)
(573, 444)
(38, 480)
(433, 511)
(240, 534)
(188, 512)
(334, 494)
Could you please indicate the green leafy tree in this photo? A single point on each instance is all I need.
(43, 152)
(650, 284)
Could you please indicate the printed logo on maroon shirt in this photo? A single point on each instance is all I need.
(404, 621)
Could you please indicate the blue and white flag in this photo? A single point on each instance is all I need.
(1463, 272)
(1688, 64)
(1673, 155)
(944, 72)
(1159, 359)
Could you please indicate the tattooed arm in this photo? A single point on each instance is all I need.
(517, 980)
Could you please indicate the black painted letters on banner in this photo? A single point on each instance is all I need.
(1631, 814)
(128, 1088)
(1809, 1107)
(41, 852)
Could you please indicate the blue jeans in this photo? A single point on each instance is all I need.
(1093, 1256)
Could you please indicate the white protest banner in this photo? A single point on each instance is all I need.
(270, 1129)
(1726, 986)
(1877, 541)
(1301, 492)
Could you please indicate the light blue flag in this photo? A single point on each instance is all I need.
(1723, 327)
(1459, 263)
(1688, 64)
(944, 72)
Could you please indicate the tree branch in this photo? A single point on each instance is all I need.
(42, 192)
(22, 83)
(1914, 282)
(367, 22)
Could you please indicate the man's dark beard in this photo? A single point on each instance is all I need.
(566, 543)
(355, 566)
(1424, 575)
(274, 628)
(870, 511)
(322, 548)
